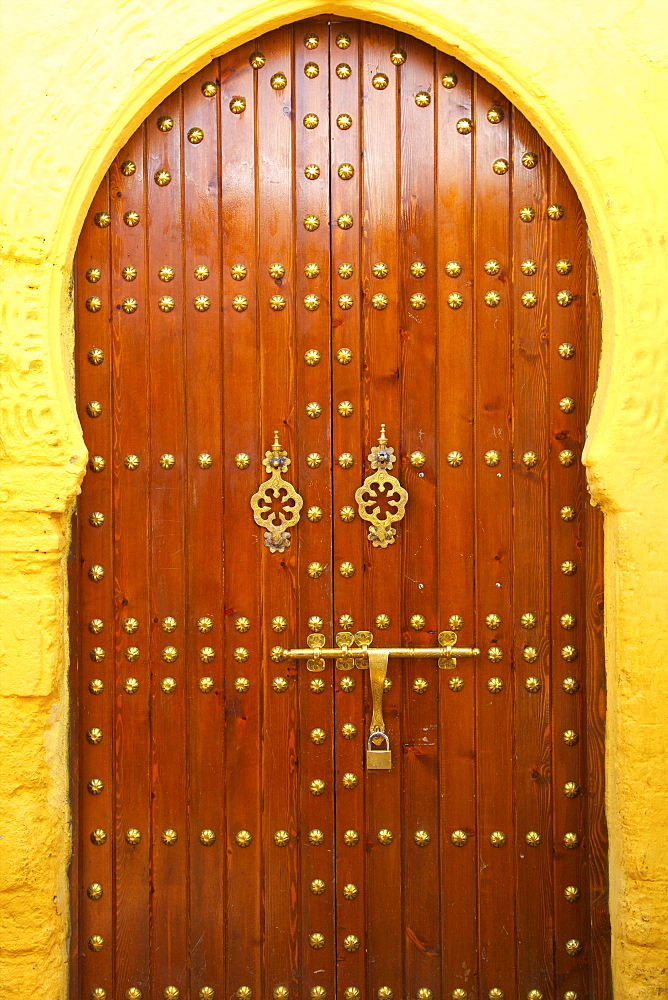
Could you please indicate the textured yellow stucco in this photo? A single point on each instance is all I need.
(79, 77)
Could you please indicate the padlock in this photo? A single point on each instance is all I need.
(378, 760)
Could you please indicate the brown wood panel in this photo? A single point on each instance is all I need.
(246, 744)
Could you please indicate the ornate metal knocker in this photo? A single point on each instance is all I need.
(276, 522)
(381, 533)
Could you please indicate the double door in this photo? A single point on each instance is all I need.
(333, 235)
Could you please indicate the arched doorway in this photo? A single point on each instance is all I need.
(327, 231)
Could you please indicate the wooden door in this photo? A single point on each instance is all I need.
(333, 228)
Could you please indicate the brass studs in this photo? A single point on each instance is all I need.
(423, 99)
(350, 837)
(492, 458)
(347, 514)
(315, 570)
(529, 160)
(94, 891)
(385, 993)
(459, 838)
(243, 838)
(346, 460)
(564, 266)
(95, 787)
(449, 80)
(569, 653)
(346, 171)
(242, 460)
(206, 684)
(385, 836)
(380, 269)
(171, 993)
(165, 303)
(398, 57)
(567, 513)
(495, 685)
(313, 410)
(131, 462)
(257, 59)
(168, 685)
(495, 116)
(93, 304)
(379, 301)
(277, 303)
(129, 305)
(464, 126)
(316, 837)
(564, 297)
(534, 995)
(169, 837)
(497, 838)
(418, 301)
(167, 461)
(350, 891)
(345, 221)
(313, 460)
(568, 567)
(96, 356)
(281, 838)
(99, 836)
(571, 893)
(555, 212)
(530, 654)
(206, 993)
(348, 730)
(93, 274)
(453, 268)
(351, 942)
(532, 838)
(96, 942)
(102, 220)
(311, 223)
(530, 459)
(279, 81)
(244, 993)
(343, 71)
(573, 946)
(95, 573)
(316, 940)
(532, 684)
(571, 789)
(131, 685)
(382, 621)
(94, 736)
(500, 166)
(133, 836)
(195, 135)
(422, 838)
(317, 786)
(455, 300)
(96, 685)
(380, 81)
(162, 177)
(492, 299)
(128, 168)
(315, 623)
(169, 654)
(281, 993)
(317, 887)
(317, 736)
(312, 171)
(496, 994)
(495, 654)
(424, 993)
(130, 625)
(204, 460)
(317, 685)
(311, 41)
(346, 684)
(347, 569)
(343, 40)
(529, 267)
(131, 218)
(94, 408)
(344, 121)
(571, 685)
(528, 620)
(132, 654)
(345, 408)
(491, 267)
(279, 685)
(312, 357)
(567, 404)
(349, 780)
(96, 519)
(527, 213)
(202, 303)
(568, 621)
(311, 70)
(493, 621)
(311, 120)
(566, 457)
(210, 88)
(566, 351)
(345, 301)
(529, 300)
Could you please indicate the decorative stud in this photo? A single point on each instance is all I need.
(350, 891)
(449, 80)
(167, 461)
(567, 404)
(398, 57)
(421, 838)
(168, 685)
(492, 458)
(94, 891)
(279, 685)
(128, 168)
(195, 135)
(346, 171)
(171, 993)
(423, 99)
(95, 573)
(532, 838)
(571, 789)
(316, 940)
(204, 460)
(529, 300)
(243, 838)
(311, 41)
(314, 460)
(94, 736)
(132, 654)
(564, 266)
(344, 122)
(453, 268)
(281, 838)
(527, 214)
(345, 221)
(97, 654)
(464, 126)
(206, 993)
(491, 267)
(455, 300)
(166, 303)
(528, 620)
(555, 212)
(311, 223)
(349, 780)
(129, 305)
(240, 654)
(385, 836)
(530, 654)
(312, 357)
(343, 71)
(131, 462)
(530, 459)
(343, 40)
(571, 893)
(382, 621)
(459, 838)
(418, 301)
(169, 837)
(348, 730)
(279, 81)
(380, 81)
(93, 274)
(417, 622)
(569, 653)
(281, 993)
(347, 569)
(317, 685)
(202, 303)
(310, 120)
(312, 171)
(352, 993)
(567, 513)
(529, 160)
(571, 685)
(346, 622)
(529, 267)
(242, 460)
(500, 166)
(351, 942)
(96, 519)
(534, 995)
(162, 177)
(96, 356)
(317, 786)
(345, 408)
(277, 303)
(311, 70)
(95, 787)
(345, 301)
(346, 460)
(350, 837)
(315, 623)
(424, 993)
(205, 624)
(564, 297)
(566, 351)
(96, 942)
(98, 837)
(206, 684)
(532, 684)
(131, 218)
(316, 837)
(456, 623)
(495, 654)
(317, 736)
(131, 685)
(133, 836)
(93, 304)
(568, 567)
(495, 685)
(347, 514)
(496, 994)
(347, 684)
(96, 685)
(240, 303)
(257, 59)
(573, 947)
(495, 116)
(169, 654)
(497, 838)
(102, 220)
(493, 621)
(566, 457)
(244, 993)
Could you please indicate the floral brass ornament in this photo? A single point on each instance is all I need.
(276, 522)
(381, 532)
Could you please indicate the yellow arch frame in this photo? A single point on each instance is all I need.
(80, 78)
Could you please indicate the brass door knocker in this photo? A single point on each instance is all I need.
(276, 522)
(368, 496)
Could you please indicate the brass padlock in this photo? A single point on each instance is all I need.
(378, 760)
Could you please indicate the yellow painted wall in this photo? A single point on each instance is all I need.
(79, 77)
